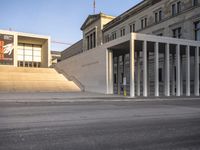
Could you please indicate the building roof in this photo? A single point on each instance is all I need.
(56, 52)
(92, 18)
(127, 14)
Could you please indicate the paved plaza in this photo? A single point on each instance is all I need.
(97, 122)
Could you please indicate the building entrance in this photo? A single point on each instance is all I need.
(121, 73)
(29, 55)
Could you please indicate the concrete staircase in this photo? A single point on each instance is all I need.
(16, 79)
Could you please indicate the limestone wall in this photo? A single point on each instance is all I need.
(89, 68)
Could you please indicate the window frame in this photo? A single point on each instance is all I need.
(177, 32)
(158, 16)
(122, 31)
(195, 2)
(196, 29)
(132, 27)
(143, 22)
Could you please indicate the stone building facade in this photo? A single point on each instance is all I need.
(171, 18)
(151, 49)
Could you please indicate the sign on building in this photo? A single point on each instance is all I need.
(6, 49)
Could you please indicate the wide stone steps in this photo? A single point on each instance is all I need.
(26, 70)
(31, 77)
(14, 79)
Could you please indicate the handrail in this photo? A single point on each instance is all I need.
(70, 78)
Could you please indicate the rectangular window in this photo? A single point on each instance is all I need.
(132, 28)
(114, 36)
(91, 41)
(88, 45)
(122, 32)
(94, 36)
(28, 53)
(173, 9)
(177, 32)
(160, 75)
(106, 38)
(143, 23)
(158, 16)
(197, 30)
(194, 2)
(115, 78)
(178, 7)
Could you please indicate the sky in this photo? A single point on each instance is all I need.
(60, 19)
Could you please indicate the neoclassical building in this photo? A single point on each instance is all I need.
(152, 49)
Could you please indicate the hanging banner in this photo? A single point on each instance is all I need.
(6, 49)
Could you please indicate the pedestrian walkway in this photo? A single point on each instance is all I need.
(77, 97)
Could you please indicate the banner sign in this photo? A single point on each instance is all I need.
(6, 49)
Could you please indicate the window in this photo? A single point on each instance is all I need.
(197, 30)
(88, 40)
(160, 75)
(106, 38)
(158, 16)
(114, 36)
(173, 9)
(122, 32)
(194, 2)
(27, 54)
(91, 40)
(177, 32)
(94, 41)
(115, 78)
(176, 8)
(132, 27)
(143, 23)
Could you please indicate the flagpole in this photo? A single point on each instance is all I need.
(94, 6)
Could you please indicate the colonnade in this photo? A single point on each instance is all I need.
(176, 82)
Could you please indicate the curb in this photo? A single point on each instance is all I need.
(97, 99)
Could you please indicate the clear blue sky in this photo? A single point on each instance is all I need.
(61, 19)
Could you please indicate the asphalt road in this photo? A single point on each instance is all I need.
(159, 125)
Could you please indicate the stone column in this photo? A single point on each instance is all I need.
(181, 74)
(145, 94)
(173, 74)
(156, 69)
(138, 73)
(178, 89)
(110, 72)
(187, 70)
(167, 71)
(196, 87)
(132, 68)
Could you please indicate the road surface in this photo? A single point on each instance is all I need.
(155, 125)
